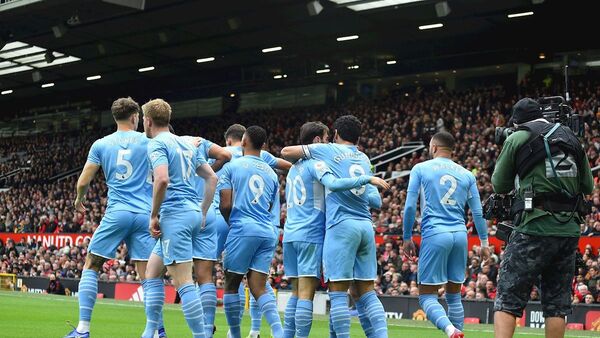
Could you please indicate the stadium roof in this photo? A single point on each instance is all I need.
(213, 48)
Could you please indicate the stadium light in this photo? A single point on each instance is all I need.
(353, 67)
(232, 95)
(542, 56)
(347, 38)
(280, 76)
(518, 15)
(391, 62)
(272, 49)
(432, 26)
(321, 71)
(146, 69)
(594, 63)
(48, 85)
(6, 92)
(209, 59)
(92, 78)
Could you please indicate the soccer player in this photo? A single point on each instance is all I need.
(173, 160)
(446, 188)
(305, 228)
(349, 244)
(249, 191)
(122, 157)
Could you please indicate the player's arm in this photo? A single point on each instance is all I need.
(83, 183)
(220, 155)
(410, 206)
(504, 173)
(282, 164)
(160, 170)
(373, 195)
(210, 178)
(474, 203)
(225, 192)
(293, 153)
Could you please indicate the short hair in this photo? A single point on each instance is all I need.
(348, 128)
(122, 108)
(159, 110)
(235, 132)
(444, 139)
(257, 136)
(310, 130)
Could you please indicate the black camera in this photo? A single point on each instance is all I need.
(555, 110)
(498, 207)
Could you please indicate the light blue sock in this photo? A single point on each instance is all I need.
(456, 312)
(268, 307)
(304, 315)
(154, 300)
(192, 309)
(208, 297)
(340, 316)
(289, 323)
(376, 314)
(231, 305)
(363, 318)
(331, 329)
(88, 291)
(242, 297)
(435, 311)
(255, 314)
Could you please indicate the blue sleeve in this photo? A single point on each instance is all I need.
(269, 158)
(205, 147)
(157, 153)
(474, 202)
(317, 151)
(225, 178)
(374, 197)
(410, 206)
(320, 171)
(95, 153)
(200, 158)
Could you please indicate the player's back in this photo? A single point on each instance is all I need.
(305, 198)
(254, 188)
(182, 158)
(444, 187)
(344, 161)
(122, 156)
(203, 150)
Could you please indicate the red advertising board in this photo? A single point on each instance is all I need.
(592, 321)
(58, 240)
(134, 292)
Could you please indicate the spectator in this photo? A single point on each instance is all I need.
(55, 287)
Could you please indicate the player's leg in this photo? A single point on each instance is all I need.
(363, 316)
(433, 274)
(257, 278)
(457, 261)
(339, 252)
(103, 246)
(310, 258)
(236, 259)
(255, 316)
(178, 230)
(521, 266)
(205, 254)
(365, 272)
(154, 292)
(242, 297)
(290, 262)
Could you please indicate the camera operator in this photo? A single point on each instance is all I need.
(546, 234)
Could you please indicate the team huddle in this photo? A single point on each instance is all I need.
(180, 203)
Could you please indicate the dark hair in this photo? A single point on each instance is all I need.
(171, 129)
(257, 136)
(444, 139)
(310, 130)
(235, 132)
(123, 108)
(348, 128)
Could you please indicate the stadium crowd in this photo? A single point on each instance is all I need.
(35, 204)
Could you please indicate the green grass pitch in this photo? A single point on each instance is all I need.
(44, 316)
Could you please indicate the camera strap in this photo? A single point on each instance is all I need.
(563, 189)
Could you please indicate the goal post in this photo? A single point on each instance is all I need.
(8, 281)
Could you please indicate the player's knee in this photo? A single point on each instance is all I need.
(232, 282)
(94, 262)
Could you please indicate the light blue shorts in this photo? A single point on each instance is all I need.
(349, 252)
(302, 259)
(180, 235)
(443, 258)
(123, 226)
(204, 244)
(222, 229)
(248, 253)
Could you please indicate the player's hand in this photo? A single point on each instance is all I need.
(203, 224)
(409, 249)
(78, 204)
(155, 227)
(485, 256)
(379, 182)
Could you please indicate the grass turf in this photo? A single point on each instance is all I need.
(36, 315)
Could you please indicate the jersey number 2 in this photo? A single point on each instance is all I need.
(447, 200)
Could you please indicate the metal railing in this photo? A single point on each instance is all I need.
(392, 156)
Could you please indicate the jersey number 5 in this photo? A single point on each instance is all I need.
(121, 161)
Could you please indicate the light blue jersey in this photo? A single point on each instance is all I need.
(305, 198)
(344, 161)
(203, 149)
(255, 193)
(445, 188)
(122, 156)
(182, 159)
(237, 152)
